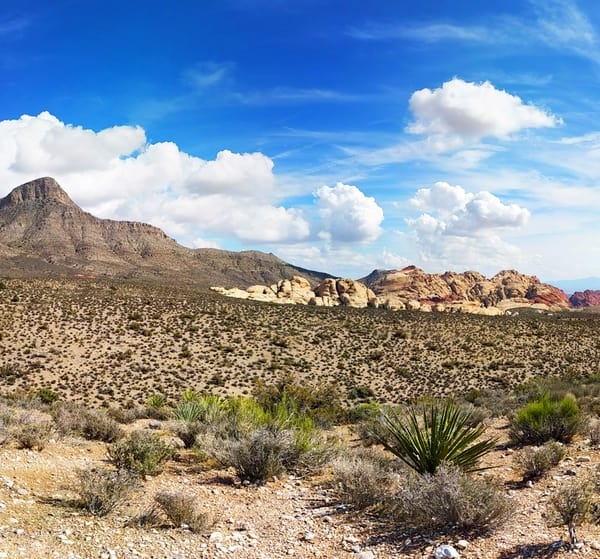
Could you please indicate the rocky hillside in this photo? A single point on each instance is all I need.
(411, 288)
(587, 298)
(44, 233)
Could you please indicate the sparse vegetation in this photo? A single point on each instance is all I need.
(546, 419)
(101, 491)
(440, 434)
(451, 500)
(535, 462)
(182, 509)
(141, 452)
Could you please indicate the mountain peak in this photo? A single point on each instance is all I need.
(39, 190)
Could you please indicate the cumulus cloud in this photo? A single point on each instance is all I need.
(459, 226)
(473, 110)
(348, 215)
(115, 173)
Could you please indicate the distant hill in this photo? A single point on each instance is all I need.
(583, 284)
(43, 233)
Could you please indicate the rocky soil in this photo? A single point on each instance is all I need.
(288, 517)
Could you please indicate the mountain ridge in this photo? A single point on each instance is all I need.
(44, 233)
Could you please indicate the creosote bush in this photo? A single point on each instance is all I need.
(546, 419)
(443, 433)
(141, 452)
(261, 443)
(571, 505)
(100, 491)
(32, 431)
(182, 509)
(535, 462)
(451, 500)
(365, 479)
(92, 424)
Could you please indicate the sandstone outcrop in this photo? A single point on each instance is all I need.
(297, 291)
(414, 289)
(587, 298)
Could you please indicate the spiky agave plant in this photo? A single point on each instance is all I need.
(443, 434)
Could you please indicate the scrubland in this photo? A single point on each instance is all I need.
(144, 421)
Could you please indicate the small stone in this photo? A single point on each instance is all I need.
(445, 552)
(366, 555)
(584, 458)
(595, 545)
(327, 518)
(462, 544)
(309, 536)
(215, 537)
(154, 425)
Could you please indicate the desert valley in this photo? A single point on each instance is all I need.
(166, 402)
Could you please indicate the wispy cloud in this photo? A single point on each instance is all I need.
(431, 33)
(290, 95)
(558, 24)
(207, 74)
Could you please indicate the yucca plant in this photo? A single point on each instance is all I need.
(443, 434)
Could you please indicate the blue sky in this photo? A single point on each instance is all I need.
(341, 135)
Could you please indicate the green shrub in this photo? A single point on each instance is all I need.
(320, 402)
(451, 500)
(182, 509)
(442, 434)
(364, 479)
(141, 452)
(100, 491)
(260, 444)
(46, 395)
(545, 419)
(535, 462)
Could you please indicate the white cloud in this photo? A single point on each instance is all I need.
(348, 215)
(462, 228)
(442, 197)
(473, 110)
(115, 174)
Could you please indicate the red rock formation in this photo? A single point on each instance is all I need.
(587, 298)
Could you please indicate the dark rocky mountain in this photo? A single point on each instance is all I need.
(587, 298)
(43, 233)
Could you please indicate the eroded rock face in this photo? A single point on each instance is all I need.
(587, 298)
(413, 288)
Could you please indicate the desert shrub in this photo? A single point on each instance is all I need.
(362, 412)
(260, 444)
(46, 395)
(364, 479)
(92, 424)
(320, 402)
(140, 452)
(441, 434)
(157, 407)
(535, 462)
(594, 432)
(100, 491)
(182, 509)
(545, 419)
(205, 408)
(32, 431)
(259, 456)
(451, 500)
(571, 505)
(187, 431)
